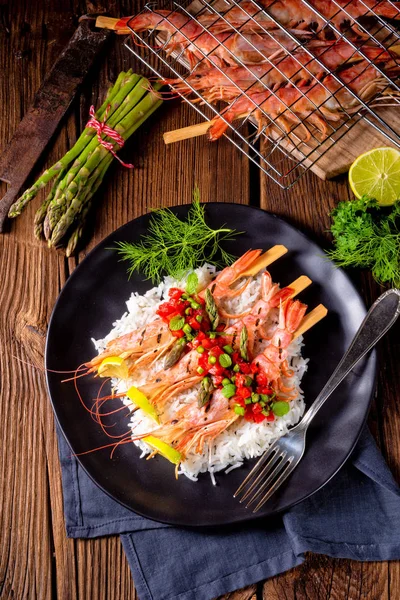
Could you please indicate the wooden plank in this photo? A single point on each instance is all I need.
(36, 558)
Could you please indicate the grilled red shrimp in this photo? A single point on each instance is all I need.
(274, 357)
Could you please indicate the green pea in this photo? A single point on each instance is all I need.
(200, 349)
(226, 381)
(228, 349)
(212, 360)
(239, 410)
(186, 328)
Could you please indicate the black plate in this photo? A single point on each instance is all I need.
(95, 295)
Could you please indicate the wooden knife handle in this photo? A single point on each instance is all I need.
(49, 106)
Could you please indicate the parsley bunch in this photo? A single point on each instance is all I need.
(367, 235)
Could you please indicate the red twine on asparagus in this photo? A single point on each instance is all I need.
(102, 127)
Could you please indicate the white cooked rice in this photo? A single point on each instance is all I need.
(243, 439)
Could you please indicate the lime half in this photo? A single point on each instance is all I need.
(377, 175)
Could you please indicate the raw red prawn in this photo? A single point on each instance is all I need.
(316, 104)
(185, 33)
(294, 13)
(247, 18)
(332, 54)
(291, 314)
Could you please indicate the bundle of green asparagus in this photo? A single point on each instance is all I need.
(62, 216)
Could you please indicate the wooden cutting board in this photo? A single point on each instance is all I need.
(335, 155)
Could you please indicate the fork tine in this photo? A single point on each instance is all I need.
(269, 474)
(289, 466)
(269, 467)
(255, 469)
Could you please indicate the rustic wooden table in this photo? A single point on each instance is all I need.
(36, 558)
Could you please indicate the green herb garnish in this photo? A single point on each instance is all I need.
(366, 235)
(176, 323)
(225, 361)
(191, 283)
(174, 246)
(229, 390)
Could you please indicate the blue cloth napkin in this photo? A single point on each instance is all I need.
(356, 515)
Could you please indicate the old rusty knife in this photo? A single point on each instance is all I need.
(49, 106)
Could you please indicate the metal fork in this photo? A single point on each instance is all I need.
(278, 462)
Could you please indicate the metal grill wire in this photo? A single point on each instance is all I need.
(155, 52)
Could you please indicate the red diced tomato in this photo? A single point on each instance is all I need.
(259, 418)
(178, 334)
(220, 327)
(201, 335)
(263, 389)
(175, 293)
(254, 368)
(240, 380)
(218, 379)
(262, 379)
(244, 392)
(271, 417)
(207, 343)
(216, 369)
(245, 368)
(238, 400)
(216, 351)
(257, 408)
(194, 324)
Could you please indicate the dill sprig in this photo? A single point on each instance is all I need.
(174, 246)
(367, 235)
